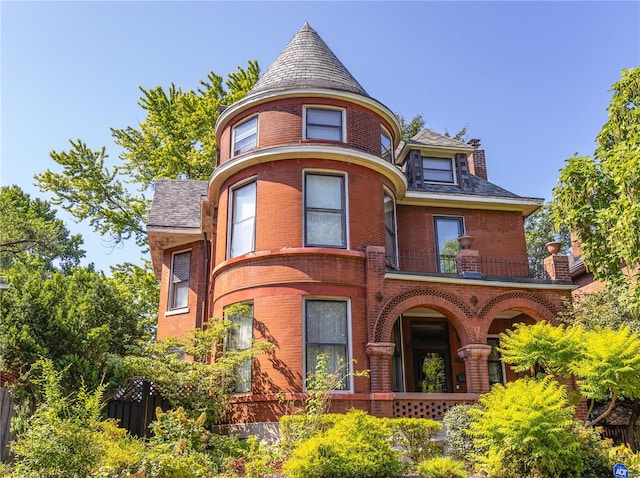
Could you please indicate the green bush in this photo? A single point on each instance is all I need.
(415, 436)
(356, 446)
(442, 467)
(457, 422)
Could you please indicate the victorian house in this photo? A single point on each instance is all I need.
(343, 239)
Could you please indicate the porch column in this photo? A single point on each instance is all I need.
(380, 363)
(475, 362)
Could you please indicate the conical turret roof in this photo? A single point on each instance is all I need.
(307, 62)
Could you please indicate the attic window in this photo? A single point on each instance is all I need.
(438, 170)
(321, 123)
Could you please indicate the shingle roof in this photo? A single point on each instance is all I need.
(429, 137)
(176, 203)
(479, 185)
(307, 62)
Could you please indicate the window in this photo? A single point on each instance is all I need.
(447, 230)
(245, 136)
(494, 362)
(385, 145)
(240, 337)
(439, 170)
(324, 124)
(243, 219)
(327, 332)
(179, 285)
(324, 210)
(390, 228)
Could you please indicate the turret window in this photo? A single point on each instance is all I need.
(324, 209)
(243, 219)
(239, 338)
(386, 146)
(321, 123)
(245, 136)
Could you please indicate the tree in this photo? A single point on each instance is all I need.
(539, 228)
(31, 232)
(176, 140)
(599, 197)
(412, 128)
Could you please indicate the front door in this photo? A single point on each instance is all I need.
(431, 357)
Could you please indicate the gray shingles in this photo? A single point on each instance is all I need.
(480, 188)
(176, 203)
(307, 62)
(431, 138)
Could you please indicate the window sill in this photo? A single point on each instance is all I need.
(184, 310)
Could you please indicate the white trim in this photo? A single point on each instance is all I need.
(487, 283)
(335, 152)
(233, 134)
(175, 230)
(469, 201)
(326, 172)
(343, 120)
(170, 312)
(349, 358)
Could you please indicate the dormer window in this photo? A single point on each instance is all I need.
(438, 170)
(245, 136)
(322, 123)
(385, 145)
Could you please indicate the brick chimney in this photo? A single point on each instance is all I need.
(476, 160)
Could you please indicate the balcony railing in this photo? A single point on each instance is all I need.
(490, 267)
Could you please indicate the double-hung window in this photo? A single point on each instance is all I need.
(385, 146)
(327, 333)
(390, 228)
(324, 210)
(245, 136)
(243, 219)
(447, 231)
(239, 338)
(179, 285)
(438, 170)
(321, 123)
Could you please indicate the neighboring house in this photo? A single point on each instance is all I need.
(342, 239)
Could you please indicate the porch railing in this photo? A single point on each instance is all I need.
(428, 405)
(490, 267)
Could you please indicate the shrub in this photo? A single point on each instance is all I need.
(356, 446)
(442, 467)
(415, 436)
(457, 423)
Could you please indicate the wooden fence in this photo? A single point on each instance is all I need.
(6, 412)
(619, 435)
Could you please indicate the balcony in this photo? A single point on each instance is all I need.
(489, 268)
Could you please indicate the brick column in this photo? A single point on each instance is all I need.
(380, 358)
(468, 263)
(475, 363)
(375, 269)
(557, 268)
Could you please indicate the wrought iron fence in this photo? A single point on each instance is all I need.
(490, 267)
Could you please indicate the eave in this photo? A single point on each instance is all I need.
(468, 201)
(163, 237)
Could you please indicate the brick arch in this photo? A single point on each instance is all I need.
(447, 304)
(529, 303)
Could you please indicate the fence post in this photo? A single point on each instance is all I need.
(6, 413)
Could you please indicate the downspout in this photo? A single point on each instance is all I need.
(201, 320)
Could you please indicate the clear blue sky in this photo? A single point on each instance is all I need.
(530, 79)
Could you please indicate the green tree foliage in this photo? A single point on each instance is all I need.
(605, 362)
(457, 422)
(416, 437)
(356, 446)
(409, 129)
(599, 197)
(78, 320)
(526, 427)
(540, 228)
(176, 140)
(30, 232)
(442, 467)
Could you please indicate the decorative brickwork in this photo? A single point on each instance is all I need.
(524, 301)
(475, 361)
(468, 263)
(433, 409)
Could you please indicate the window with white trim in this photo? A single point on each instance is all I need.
(325, 220)
(447, 231)
(242, 214)
(438, 170)
(327, 332)
(323, 123)
(386, 149)
(390, 228)
(239, 338)
(179, 283)
(245, 136)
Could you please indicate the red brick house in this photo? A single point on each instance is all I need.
(343, 239)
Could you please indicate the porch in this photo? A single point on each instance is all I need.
(428, 405)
